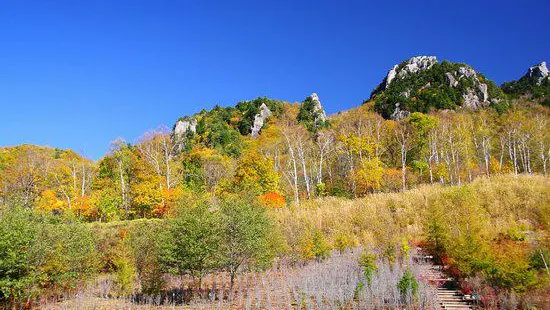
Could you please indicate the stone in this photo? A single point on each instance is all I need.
(451, 79)
(259, 120)
(185, 125)
(466, 72)
(538, 72)
(391, 75)
(416, 64)
(473, 101)
(483, 89)
(399, 114)
(318, 110)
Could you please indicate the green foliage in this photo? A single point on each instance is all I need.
(321, 248)
(427, 90)
(249, 109)
(311, 116)
(407, 284)
(193, 243)
(216, 130)
(368, 263)
(248, 236)
(125, 273)
(144, 243)
(65, 254)
(343, 242)
(41, 254)
(18, 272)
(528, 86)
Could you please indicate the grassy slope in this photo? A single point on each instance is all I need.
(502, 201)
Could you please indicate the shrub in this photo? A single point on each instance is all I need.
(18, 272)
(41, 255)
(408, 284)
(143, 241)
(368, 263)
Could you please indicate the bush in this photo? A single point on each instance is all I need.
(18, 271)
(41, 255)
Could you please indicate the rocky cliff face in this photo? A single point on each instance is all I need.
(184, 125)
(421, 83)
(259, 120)
(538, 73)
(534, 84)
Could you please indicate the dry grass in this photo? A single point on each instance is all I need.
(330, 284)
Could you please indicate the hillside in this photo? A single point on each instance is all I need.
(422, 84)
(439, 158)
(534, 84)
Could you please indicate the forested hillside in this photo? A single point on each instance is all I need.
(234, 189)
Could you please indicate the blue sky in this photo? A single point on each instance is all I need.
(79, 74)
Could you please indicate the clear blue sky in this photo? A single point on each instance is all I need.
(78, 74)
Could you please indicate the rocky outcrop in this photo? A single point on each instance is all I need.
(391, 75)
(416, 64)
(421, 84)
(185, 125)
(474, 98)
(413, 65)
(399, 114)
(538, 72)
(535, 84)
(318, 111)
(259, 120)
(451, 79)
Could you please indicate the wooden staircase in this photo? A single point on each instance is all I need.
(449, 298)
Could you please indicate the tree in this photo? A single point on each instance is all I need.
(255, 174)
(192, 245)
(403, 135)
(368, 176)
(248, 232)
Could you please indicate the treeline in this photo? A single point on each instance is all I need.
(294, 158)
(45, 256)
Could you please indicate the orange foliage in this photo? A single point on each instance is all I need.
(273, 200)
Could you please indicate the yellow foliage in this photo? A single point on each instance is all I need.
(49, 202)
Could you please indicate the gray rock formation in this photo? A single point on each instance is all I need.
(259, 120)
(318, 110)
(399, 114)
(466, 72)
(391, 75)
(185, 125)
(417, 64)
(452, 81)
(482, 87)
(473, 101)
(538, 72)
(468, 83)
(473, 98)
